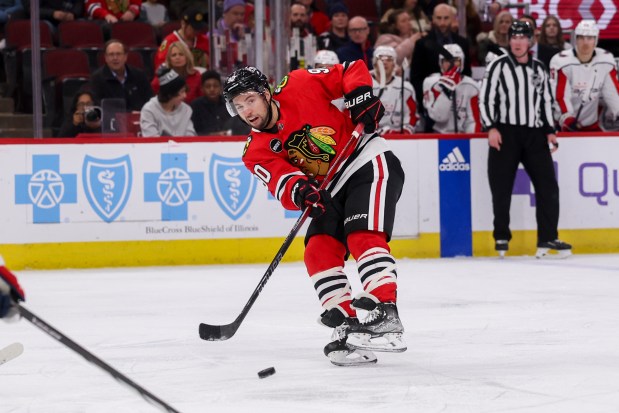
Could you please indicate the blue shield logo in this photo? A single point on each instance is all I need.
(107, 183)
(232, 184)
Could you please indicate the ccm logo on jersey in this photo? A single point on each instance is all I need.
(350, 103)
(354, 217)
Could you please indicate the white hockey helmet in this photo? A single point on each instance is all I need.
(456, 52)
(326, 57)
(386, 51)
(586, 28)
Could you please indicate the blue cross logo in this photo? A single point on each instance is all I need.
(174, 186)
(45, 189)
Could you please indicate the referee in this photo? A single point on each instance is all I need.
(516, 109)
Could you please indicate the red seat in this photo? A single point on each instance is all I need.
(17, 34)
(169, 27)
(134, 34)
(58, 63)
(80, 34)
(365, 8)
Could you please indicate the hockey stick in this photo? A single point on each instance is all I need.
(404, 69)
(223, 332)
(51, 331)
(10, 352)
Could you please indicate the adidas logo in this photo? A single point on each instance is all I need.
(454, 161)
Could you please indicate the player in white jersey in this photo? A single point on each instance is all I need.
(397, 95)
(449, 95)
(584, 80)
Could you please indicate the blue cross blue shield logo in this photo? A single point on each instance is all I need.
(232, 184)
(107, 183)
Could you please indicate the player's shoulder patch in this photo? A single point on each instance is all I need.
(281, 85)
(247, 145)
(163, 46)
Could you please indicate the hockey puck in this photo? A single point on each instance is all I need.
(266, 372)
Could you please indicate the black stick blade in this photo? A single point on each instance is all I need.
(217, 333)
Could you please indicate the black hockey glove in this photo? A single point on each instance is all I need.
(364, 107)
(306, 194)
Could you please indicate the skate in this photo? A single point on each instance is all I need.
(501, 246)
(553, 249)
(338, 351)
(381, 330)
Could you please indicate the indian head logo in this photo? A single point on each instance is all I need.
(107, 183)
(311, 149)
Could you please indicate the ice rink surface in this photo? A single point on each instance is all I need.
(484, 335)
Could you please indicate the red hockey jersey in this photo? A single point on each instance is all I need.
(311, 131)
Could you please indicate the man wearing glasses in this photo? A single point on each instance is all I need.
(359, 46)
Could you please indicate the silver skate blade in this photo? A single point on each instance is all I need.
(549, 254)
(501, 254)
(387, 343)
(352, 358)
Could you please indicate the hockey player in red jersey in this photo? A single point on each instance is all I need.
(584, 79)
(296, 134)
(10, 292)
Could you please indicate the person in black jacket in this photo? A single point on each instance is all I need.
(57, 11)
(427, 51)
(117, 80)
(83, 117)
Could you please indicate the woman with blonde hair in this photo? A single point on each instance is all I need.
(180, 59)
(399, 35)
(497, 38)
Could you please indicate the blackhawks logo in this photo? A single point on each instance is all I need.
(311, 149)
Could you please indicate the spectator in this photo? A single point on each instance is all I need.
(539, 51)
(178, 7)
(452, 100)
(396, 94)
(113, 11)
(427, 51)
(399, 35)
(193, 21)
(551, 34)
(337, 36)
(167, 114)
(584, 80)
(83, 117)
(210, 116)
(233, 20)
(57, 11)
(419, 19)
(317, 19)
(473, 29)
(520, 129)
(116, 79)
(300, 20)
(10, 9)
(495, 42)
(181, 61)
(359, 46)
(154, 13)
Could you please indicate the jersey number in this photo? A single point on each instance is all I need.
(318, 70)
(262, 174)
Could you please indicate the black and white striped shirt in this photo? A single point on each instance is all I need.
(516, 94)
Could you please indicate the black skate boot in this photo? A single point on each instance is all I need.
(380, 331)
(338, 351)
(501, 246)
(560, 248)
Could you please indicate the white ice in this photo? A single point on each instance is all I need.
(484, 335)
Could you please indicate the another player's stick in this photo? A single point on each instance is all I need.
(51, 331)
(223, 332)
(10, 352)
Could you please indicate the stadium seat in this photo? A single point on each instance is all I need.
(84, 35)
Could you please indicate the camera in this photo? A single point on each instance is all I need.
(92, 113)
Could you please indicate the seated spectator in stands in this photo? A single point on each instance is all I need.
(113, 11)
(399, 34)
(57, 11)
(210, 115)
(397, 95)
(10, 9)
(427, 50)
(193, 22)
(154, 13)
(359, 46)
(117, 80)
(540, 51)
(167, 114)
(495, 42)
(317, 19)
(232, 21)
(440, 90)
(473, 29)
(337, 36)
(551, 34)
(300, 20)
(419, 19)
(176, 8)
(83, 117)
(181, 61)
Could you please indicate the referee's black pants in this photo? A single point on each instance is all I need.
(529, 146)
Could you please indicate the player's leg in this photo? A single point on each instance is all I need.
(373, 193)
